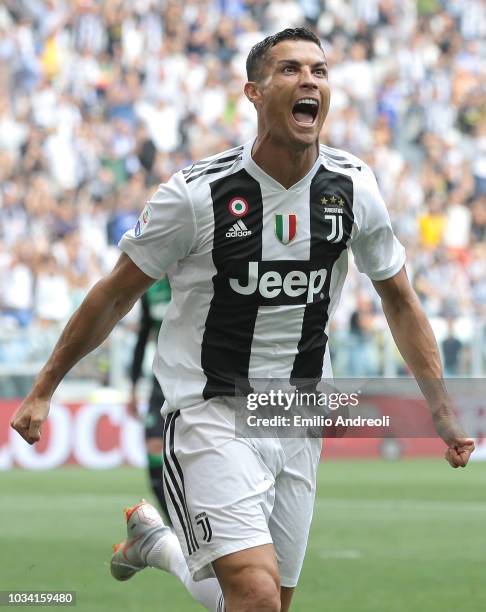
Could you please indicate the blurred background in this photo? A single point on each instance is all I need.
(102, 100)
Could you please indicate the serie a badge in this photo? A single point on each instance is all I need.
(286, 227)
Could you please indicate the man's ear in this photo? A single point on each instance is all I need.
(252, 92)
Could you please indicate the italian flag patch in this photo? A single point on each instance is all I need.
(285, 227)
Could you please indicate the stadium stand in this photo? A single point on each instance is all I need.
(101, 101)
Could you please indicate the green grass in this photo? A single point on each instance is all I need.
(386, 537)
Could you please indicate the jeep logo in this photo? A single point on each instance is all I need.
(272, 284)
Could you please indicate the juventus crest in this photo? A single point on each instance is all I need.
(333, 212)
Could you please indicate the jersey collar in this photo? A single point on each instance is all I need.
(261, 176)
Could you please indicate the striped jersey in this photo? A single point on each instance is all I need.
(256, 269)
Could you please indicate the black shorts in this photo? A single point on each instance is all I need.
(154, 422)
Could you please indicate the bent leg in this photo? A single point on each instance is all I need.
(250, 580)
(292, 514)
(220, 495)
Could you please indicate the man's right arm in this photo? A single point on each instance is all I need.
(108, 301)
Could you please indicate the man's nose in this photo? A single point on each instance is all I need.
(308, 78)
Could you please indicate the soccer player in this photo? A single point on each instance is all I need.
(154, 305)
(254, 241)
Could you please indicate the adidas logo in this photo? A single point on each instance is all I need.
(237, 230)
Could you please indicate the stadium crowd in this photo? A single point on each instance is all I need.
(102, 100)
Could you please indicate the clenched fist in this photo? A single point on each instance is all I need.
(459, 446)
(29, 418)
(459, 452)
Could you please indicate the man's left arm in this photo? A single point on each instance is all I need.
(416, 342)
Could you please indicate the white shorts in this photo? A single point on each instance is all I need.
(227, 494)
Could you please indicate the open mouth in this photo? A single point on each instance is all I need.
(305, 111)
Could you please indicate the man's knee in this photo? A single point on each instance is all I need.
(253, 589)
(250, 580)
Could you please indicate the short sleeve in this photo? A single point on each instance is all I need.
(377, 251)
(165, 230)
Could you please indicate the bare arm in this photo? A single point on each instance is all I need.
(415, 340)
(108, 301)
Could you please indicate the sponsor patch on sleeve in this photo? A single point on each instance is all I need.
(143, 221)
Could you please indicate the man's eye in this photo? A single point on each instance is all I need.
(289, 69)
(320, 72)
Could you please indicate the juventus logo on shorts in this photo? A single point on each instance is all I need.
(203, 522)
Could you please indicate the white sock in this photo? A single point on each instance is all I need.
(170, 558)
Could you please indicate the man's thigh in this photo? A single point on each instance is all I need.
(291, 517)
(219, 491)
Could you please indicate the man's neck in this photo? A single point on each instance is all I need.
(284, 164)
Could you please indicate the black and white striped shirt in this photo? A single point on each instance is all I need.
(256, 270)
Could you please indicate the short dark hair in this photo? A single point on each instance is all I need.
(257, 55)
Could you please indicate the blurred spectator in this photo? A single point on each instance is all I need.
(363, 353)
(52, 300)
(451, 351)
(17, 285)
(432, 224)
(100, 101)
